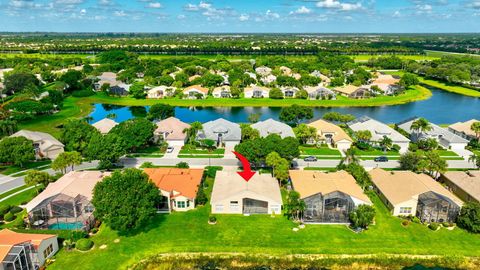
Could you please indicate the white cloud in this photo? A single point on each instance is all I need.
(120, 13)
(334, 4)
(271, 15)
(397, 14)
(474, 4)
(190, 7)
(302, 10)
(181, 17)
(69, 2)
(83, 12)
(154, 5)
(244, 17)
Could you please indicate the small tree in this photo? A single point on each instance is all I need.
(362, 216)
(16, 150)
(294, 205)
(65, 160)
(386, 143)
(192, 131)
(410, 161)
(363, 135)
(433, 164)
(249, 133)
(305, 133)
(160, 112)
(295, 114)
(183, 165)
(201, 198)
(35, 178)
(209, 144)
(475, 159)
(125, 200)
(469, 217)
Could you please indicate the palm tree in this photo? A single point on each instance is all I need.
(475, 159)
(192, 131)
(386, 143)
(476, 128)
(350, 156)
(420, 125)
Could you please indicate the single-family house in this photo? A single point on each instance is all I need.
(353, 91)
(109, 78)
(171, 130)
(407, 193)
(271, 126)
(252, 75)
(45, 145)
(222, 92)
(466, 185)
(263, 71)
(223, 132)
(160, 91)
(231, 194)
(388, 84)
(25, 251)
(286, 71)
(445, 138)
(255, 91)
(178, 187)
(268, 79)
(320, 92)
(289, 91)
(195, 92)
(380, 130)
(328, 197)
(325, 79)
(331, 134)
(120, 89)
(464, 129)
(66, 203)
(105, 125)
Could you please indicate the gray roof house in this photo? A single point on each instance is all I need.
(45, 145)
(444, 137)
(378, 130)
(222, 131)
(271, 126)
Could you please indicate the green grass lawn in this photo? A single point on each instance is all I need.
(322, 151)
(198, 156)
(376, 152)
(189, 232)
(20, 198)
(5, 194)
(451, 88)
(218, 151)
(8, 170)
(416, 57)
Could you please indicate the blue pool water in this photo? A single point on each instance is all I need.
(442, 108)
(66, 226)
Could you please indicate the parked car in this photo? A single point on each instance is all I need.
(310, 159)
(170, 149)
(381, 159)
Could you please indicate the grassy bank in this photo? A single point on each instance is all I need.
(451, 88)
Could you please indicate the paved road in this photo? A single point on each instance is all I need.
(7, 183)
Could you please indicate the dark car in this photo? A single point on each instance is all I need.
(310, 159)
(381, 159)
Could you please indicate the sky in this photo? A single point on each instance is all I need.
(244, 16)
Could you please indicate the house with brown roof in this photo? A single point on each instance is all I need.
(353, 91)
(195, 92)
(407, 193)
(66, 203)
(231, 194)
(466, 185)
(105, 125)
(328, 197)
(388, 84)
(178, 187)
(45, 145)
(171, 130)
(25, 250)
(331, 134)
(464, 129)
(256, 91)
(160, 92)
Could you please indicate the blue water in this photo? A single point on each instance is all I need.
(66, 226)
(442, 108)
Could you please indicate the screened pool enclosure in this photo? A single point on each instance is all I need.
(62, 212)
(433, 207)
(330, 208)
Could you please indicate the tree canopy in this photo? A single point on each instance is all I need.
(16, 150)
(137, 132)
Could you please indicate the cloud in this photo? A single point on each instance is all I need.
(83, 12)
(191, 7)
(181, 17)
(208, 10)
(120, 13)
(301, 10)
(337, 5)
(474, 4)
(397, 14)
(244, 17)
(271, 15)
(154, 5)
(68, 2)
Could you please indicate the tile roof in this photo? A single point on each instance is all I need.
(196, 87)
(271, 126)
(378, 129)
(230, 131)
(177, 182)
(9, 238)
(324, 127)
(172, 128)
(469, 182)
(105, 125)
(464, 127)
(437, 132)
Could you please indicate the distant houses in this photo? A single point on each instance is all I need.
(464, 129)
(352, 91)
(178, 187)
(288, 91)
(466, 185)
(331, 134)
(105, 125)
(195, 92)
(256, 92)
(444, 137)
(328, 197)
(378, 131)
(222, 92)
(388, 84)
(407, 193)
(271, 126)
(161, 91)
(231, 194)
(223, 132)
(171, 131)
(45, 145)
(320, 92)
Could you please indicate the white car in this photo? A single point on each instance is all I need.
(170, 149)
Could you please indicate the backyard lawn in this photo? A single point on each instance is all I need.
(263, 234)
(8, 170)
(201, 153)
(319, 151)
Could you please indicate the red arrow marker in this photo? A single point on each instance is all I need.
(247, 172)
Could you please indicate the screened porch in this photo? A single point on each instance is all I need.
(330, 208)
(433, 207)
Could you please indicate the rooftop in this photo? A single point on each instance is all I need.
(467, 181)
(105, 125)
(172, 128)
(435, 132)
(464, 127)
(323, 127)
(271, 126)
(378, 129)
(9, 238)
(177, 182)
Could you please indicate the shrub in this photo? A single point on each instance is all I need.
(468, 218)
(183, 165)
(201, 198)
(415, 220)
(433, 226)
(362, 145)
(94, 230)
(4, 209)
(405, 223)
(446, 224)
(16, 209)
(84, 244)
(396, 148)
(9, 217)
(212, 219)
(412, 147)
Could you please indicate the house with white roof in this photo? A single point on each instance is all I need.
(160, 91)
(222, 92)
(289, 91)
(256, 91)
(45, 145)
(271, 126)
(379, 130)
(223, 132)
(263, 71)
(268, 79)
(195, 92)
(320, 92)
(105, 125)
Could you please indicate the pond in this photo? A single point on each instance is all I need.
(442, 108)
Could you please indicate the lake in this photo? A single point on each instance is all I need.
(442, 108)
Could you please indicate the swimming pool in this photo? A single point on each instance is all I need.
(66, 226)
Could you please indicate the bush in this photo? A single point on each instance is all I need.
(415, 220)
(433, 226)
(396, 148)
(362, 145)
(446, 224)
(412, 147)
(4, 209)
(94, 230)
(212, 219)
(16, 209)
(405, 223)
(211, 171)
(183, 165)
(9, 217)
(84, 244)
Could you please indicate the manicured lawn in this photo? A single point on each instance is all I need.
(3, 195)
(20, 198)
(8, 170)
(451, 88)
(322, 151)
(372, 154)
(189, 232)
(416, 57)
(198, 156)
(218, 151)
(150, 151)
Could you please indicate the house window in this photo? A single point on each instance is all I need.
(405, 210)
(180, 204)
(234, 202)
(48, 251)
